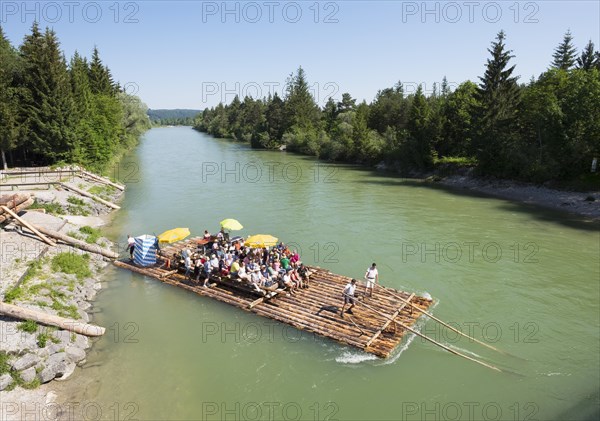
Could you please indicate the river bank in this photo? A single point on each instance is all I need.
(585, 204)
(60, 280)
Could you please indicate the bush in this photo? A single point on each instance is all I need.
(76, 201)
(4, 367)
(53, 208)
(28, 326)
(71, 263)
(93, 234)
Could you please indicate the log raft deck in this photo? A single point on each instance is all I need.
(315, 309)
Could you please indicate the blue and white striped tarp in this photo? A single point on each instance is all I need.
(144, 253)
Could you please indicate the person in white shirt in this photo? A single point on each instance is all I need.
(372, 277)
(348, 295)
(130, 245)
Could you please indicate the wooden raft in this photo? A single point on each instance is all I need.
(316, 309)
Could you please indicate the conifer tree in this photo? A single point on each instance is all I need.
(47, 104)
(588, 58)
(565, 54)
(8, 98)
(498, 96)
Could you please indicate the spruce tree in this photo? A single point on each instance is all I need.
(100, 78)
(301, 111)
(47, 103)
(565, 54)
(587, 59)
(498, 96)
(8, 98)
(418, 151)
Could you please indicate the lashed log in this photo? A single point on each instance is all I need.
(102, 180)
(22, 206)
(91, 196)
(51, 320)
(92, 248)
(29, 226)
(376, 335)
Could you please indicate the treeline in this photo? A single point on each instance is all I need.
(546, 129)
(54, 112)
(176, 117)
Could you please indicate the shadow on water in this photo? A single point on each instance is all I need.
(537, 211)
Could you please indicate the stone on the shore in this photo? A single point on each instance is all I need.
(68, 371)
(28, 375)
(26, 361)
(63, 335)
(54, 348)
(81, 341)
(5, 381)
(75, 354)
(56, 366)
(83, 316)
(90, 294)
(45, 197)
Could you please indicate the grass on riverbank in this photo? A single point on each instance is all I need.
(71, 263)
(17, 380)
(53, 208)
(77, 206)
(103, 191)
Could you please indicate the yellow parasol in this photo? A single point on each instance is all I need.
(231, 224)
(261, 240)
(173, 235)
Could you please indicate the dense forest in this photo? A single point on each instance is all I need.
(546, 129)
(176, 117)
(54, 112)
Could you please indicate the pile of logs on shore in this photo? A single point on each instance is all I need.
(15, 202)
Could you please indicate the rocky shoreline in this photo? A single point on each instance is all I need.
(60, 280)
(584, 204)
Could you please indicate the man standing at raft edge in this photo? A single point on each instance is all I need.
(349, 296)
(372, 277)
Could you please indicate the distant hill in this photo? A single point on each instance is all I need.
(173, 117)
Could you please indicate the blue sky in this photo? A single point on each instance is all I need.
(193, 54)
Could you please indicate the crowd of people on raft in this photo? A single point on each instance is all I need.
(261, 268)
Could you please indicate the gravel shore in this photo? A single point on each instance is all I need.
(585, 204)
(34, 357)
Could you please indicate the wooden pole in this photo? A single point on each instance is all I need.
(443, 323)
(91, 196)
(429, 339)
(51, 320)
(102, 180)
(92, 248)
(376, 335)
(28, 225)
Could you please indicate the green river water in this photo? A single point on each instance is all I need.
(522, 278)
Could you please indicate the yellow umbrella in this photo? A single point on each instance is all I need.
(173, 235)
(231, 224)
(261, 240)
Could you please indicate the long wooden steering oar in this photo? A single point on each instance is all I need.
(431, 316)
(426, 337)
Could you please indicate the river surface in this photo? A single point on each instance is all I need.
(521, 278)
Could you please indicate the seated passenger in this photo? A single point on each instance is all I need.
(285, 262)
(235, 267)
